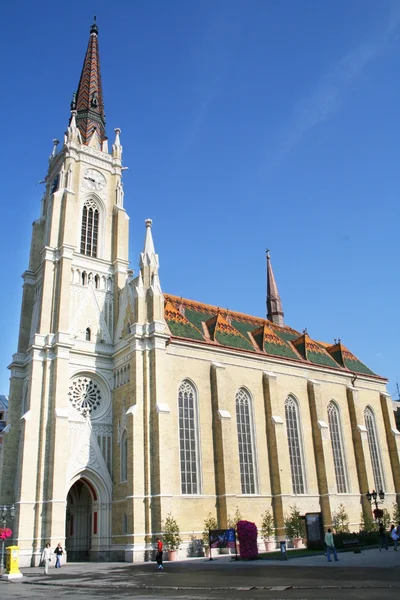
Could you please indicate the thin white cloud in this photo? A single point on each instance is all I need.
(324, 101)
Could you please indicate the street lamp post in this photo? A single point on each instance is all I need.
(7, 513)
(376, 498)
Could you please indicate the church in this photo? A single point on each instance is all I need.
(127, 403)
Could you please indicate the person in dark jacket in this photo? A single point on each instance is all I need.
(383, 540)
(58, 552)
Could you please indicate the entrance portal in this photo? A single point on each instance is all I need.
(80, 524)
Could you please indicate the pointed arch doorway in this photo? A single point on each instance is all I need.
(79, 520)
(88, 518)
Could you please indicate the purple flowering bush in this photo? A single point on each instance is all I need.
(247, 534)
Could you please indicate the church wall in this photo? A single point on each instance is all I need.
(194, 364)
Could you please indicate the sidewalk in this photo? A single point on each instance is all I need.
(370, 569)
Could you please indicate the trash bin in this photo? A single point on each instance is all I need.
(283, 550)
(12, 563)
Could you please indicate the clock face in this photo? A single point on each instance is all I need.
(93, 180)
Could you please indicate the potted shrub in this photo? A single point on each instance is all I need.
(268, 530)
(294, 526)
(171, 536)
(232, 524)
(210, 522)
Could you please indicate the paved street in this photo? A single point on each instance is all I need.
(369, 575)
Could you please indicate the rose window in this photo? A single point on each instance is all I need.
(84, 395)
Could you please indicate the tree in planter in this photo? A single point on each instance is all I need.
(210, 522)
(294, 525)
(367, 523)
(267, 529)
(233, 521)
(340, 519)
(171, 534)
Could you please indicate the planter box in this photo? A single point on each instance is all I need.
(269, 545)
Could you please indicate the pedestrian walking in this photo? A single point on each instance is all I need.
(383, 541)
(159, 554)
(46, 558)
(330, 545)
(58, 552)
(393, 535)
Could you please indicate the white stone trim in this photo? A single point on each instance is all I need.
(162, 408)
(132, 410)
(61, 413)
(277, 420)
(323, 425)
(224, 414)
(362, 428)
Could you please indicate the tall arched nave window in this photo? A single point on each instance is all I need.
(295, 445)
(374, 449)
(188, 438)
(335, 429)
(90, 228)
(245, 441)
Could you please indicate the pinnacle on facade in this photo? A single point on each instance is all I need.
(274, 303)
(88, 100)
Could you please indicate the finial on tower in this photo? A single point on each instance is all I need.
(274, 303)
(149, 222)
(54, 151)
(94, 28)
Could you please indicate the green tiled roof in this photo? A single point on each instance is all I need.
(202, 322)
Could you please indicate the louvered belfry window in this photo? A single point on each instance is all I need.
(245, 441)
(90, 229)
(335, 430)
(187, 404)
(294, 442)
(374, 449)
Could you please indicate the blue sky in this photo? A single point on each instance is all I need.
(246, 124)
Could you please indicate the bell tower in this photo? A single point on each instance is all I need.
(61, 376)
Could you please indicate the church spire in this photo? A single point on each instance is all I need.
(88, 100)
(274, 304)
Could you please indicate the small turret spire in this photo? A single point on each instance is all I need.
(88, 100)
(274, 303)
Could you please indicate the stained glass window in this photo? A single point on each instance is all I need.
(188, 438)
(337, 447)
(245, 441)
(294, 441)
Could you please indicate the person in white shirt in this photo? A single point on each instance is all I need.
(330, 545)
(46, 558)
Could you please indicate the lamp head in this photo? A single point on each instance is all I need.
(369, 496)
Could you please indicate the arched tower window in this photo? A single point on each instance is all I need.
(374, 449)
(88, 334)
(335, 428)
(90, 228)
(245, 441)
(96, 282)
(295, 445)
(188, 438)
(124, 457)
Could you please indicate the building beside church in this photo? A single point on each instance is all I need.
(127, 403)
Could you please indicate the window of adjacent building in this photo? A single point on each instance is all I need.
(245, 441)
(124, 457)
(295, 446)
(90, 229)
(374, 449)
(335, 429)
(188, 438)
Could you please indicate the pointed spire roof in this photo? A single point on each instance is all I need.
(274, 303)
(88, 100)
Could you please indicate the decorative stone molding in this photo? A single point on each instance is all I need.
(277, 420)
(61, 413)
(223, 414)
(323, 425)
(26, 417)
(362, 428)
(163, 408)
(131, 410)
(395, 431)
